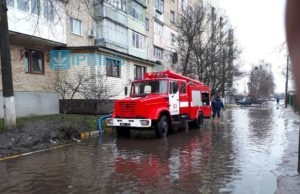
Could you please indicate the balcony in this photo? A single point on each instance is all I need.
(39, 25)
(107, 11)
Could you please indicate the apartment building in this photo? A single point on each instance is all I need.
(161, 32)
(35, 28)
(141, 32)
(130, 36)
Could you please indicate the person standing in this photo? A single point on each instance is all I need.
(217, 105)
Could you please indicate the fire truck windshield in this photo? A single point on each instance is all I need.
(142, 88)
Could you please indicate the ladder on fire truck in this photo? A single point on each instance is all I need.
(173, 75)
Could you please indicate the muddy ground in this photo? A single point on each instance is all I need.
(38, 135)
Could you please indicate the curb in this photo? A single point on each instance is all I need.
(89, 134)
(83, 135)
(33, 152)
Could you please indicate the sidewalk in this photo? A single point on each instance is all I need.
(288, 181)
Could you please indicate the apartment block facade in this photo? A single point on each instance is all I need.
(142, 33)
(35, 28)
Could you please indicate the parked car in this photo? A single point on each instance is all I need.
(245, 102)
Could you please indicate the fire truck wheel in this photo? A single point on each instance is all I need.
(197, 123)
(123, 131)
(162, 127)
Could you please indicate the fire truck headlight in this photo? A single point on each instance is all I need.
(145, 122)
(109, 121)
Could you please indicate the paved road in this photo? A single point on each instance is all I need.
(243, 154)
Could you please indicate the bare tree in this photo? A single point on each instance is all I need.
(82, 85)
(261, 81)
(102, 90)
(190, 26)
(207, 48)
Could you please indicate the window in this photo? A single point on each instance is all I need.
(48, 10)
(113, 67)
(182, 89)
(139, 72)
(158, 53)
(173, 38)
(183, 5)
(142, 88)
(138, 41)
(137, 11)
(158, 29)
(23, 5)
(35, 7)
(147, 24)
(120, 4)
(205, 98)
(33, 61)
(75, 26)
(10, 3)
(159, 5)
(174, 58)
(173, 87)
(172, 17)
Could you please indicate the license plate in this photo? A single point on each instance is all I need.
(125, 124)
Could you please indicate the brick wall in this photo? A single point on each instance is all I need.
(26, 81)
(115, 84)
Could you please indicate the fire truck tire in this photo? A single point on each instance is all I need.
(123, 131)
(197, 123)
(162, 126)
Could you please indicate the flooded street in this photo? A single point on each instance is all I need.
(240, 155)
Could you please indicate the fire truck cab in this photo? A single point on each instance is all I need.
(159, 102)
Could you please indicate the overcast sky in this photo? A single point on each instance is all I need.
(259, 29)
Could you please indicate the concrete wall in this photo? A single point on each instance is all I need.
(33, 103)
(81, 11)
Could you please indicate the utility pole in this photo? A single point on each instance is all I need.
(286, 81)
(7, 84)
(298, 169)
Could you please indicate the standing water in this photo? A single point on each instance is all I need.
(239, 155)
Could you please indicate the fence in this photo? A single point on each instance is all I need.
(293, 102)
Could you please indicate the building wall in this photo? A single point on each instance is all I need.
(150, 31)
(88, 68)
(38, 85)
(162, 41)
(31, 24)
(34, 93)
(83, 12)
(33, 103)
(27, 81)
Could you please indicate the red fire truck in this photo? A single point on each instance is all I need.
(159, 102)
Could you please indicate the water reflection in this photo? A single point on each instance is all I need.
(194, 161)
(259, 148)
(261, 125)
